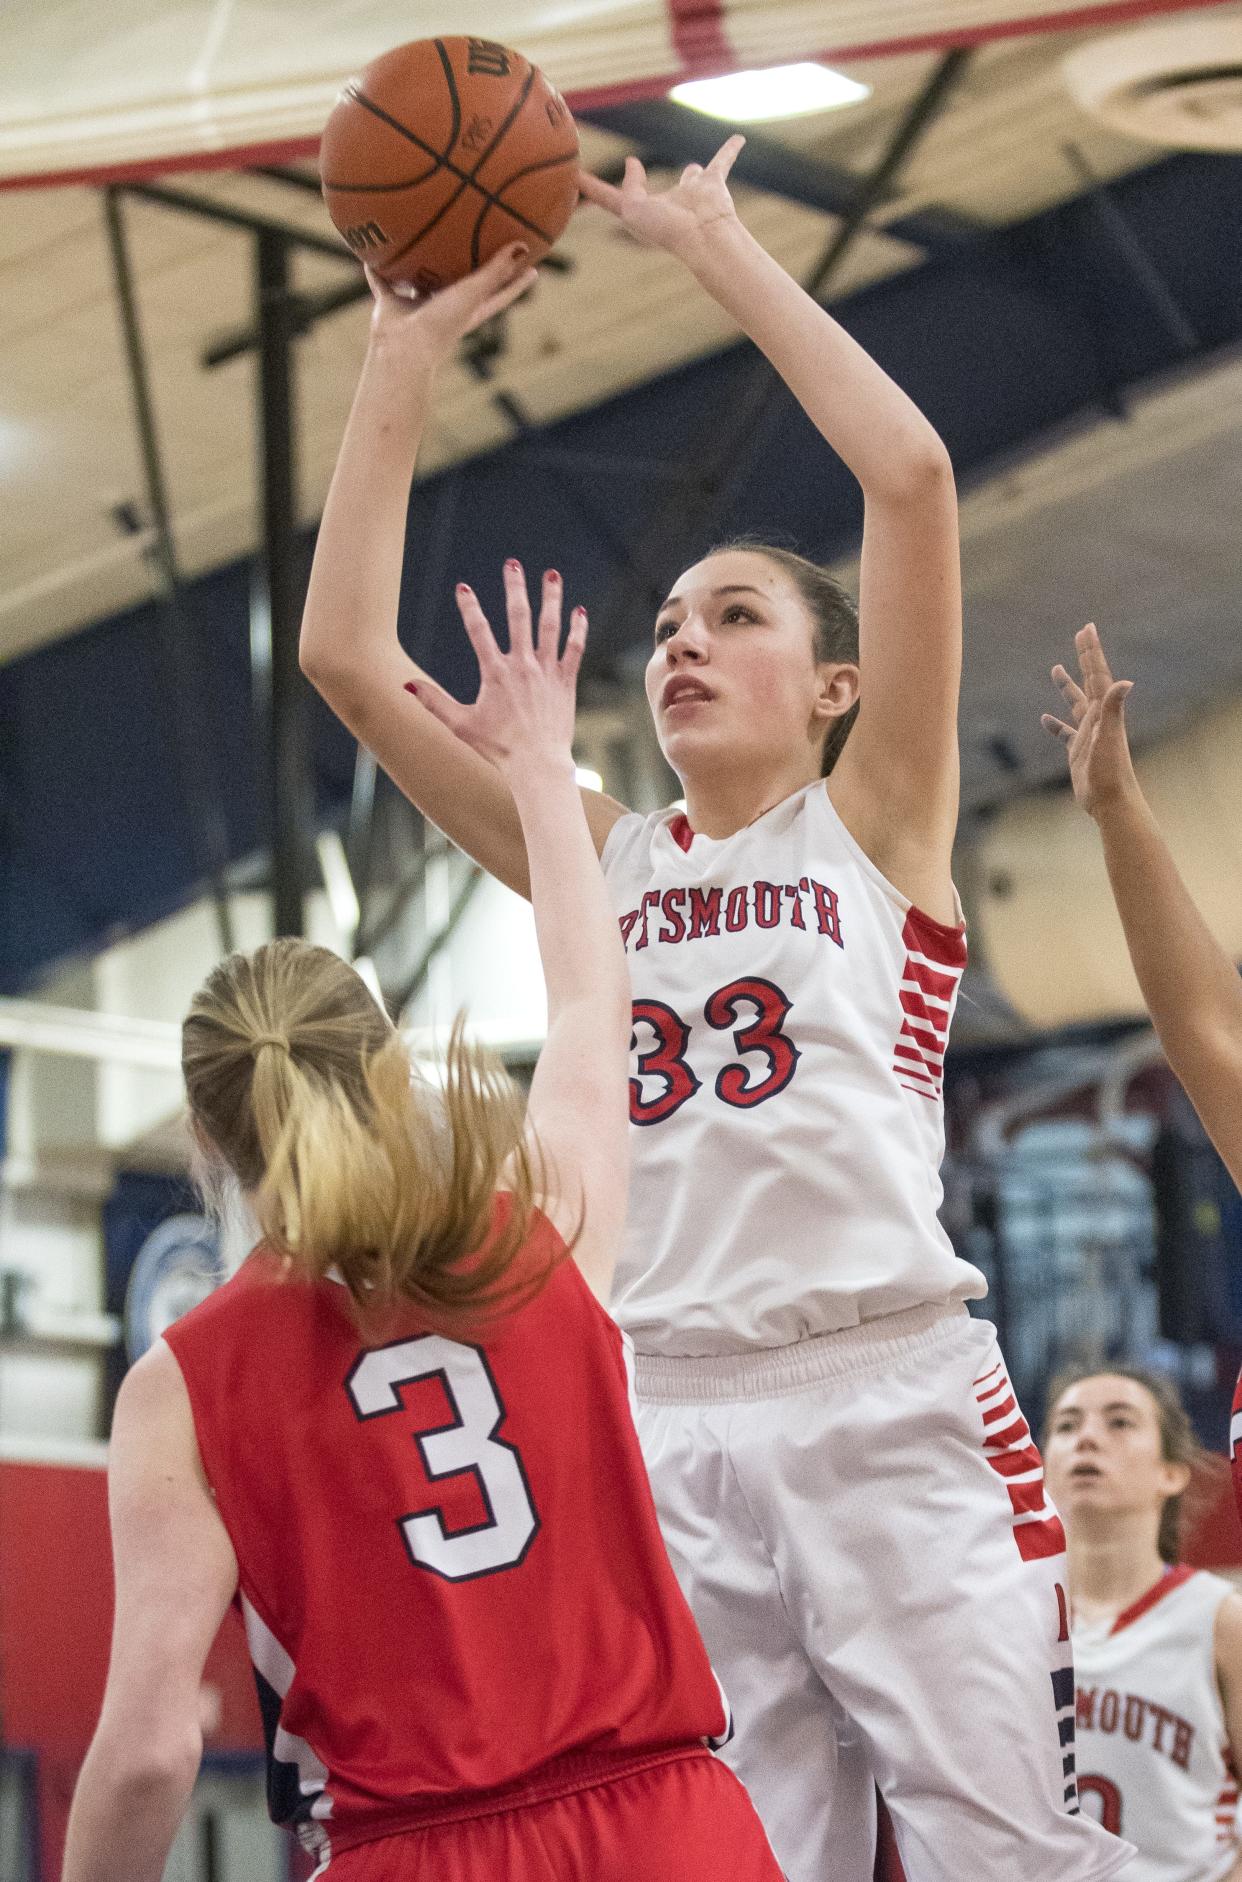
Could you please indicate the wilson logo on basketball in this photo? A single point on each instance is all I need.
(364, 236)
(486, 59)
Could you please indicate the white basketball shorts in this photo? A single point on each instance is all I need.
(859, 1524)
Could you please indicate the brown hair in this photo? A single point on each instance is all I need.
(353, 1161)
(1179, 1444)
(835, 616)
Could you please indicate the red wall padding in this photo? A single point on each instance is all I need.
(55, 1624)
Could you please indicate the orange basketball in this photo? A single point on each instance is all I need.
(442, 152)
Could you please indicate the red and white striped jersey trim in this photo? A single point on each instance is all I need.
(930, 977)
(1014, 1456)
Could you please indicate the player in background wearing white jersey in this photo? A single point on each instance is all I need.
(1157, 1645)
(1191, 986)
(849, 1492)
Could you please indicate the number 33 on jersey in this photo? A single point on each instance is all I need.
(791, 1012)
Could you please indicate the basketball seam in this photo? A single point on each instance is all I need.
(468, 179)
(440, 156)
(450, 79)
(548, 163)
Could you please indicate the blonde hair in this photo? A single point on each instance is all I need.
(1179, 1444)
(352, 1161)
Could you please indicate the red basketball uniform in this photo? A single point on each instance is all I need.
(456, 1596)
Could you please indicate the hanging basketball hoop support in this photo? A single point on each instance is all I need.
(281, 692)
(279, 574)
(193, 760)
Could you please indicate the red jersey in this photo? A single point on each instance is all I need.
(450, 1569)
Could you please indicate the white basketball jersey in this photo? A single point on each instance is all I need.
(1153, 1763)
(791, 1011)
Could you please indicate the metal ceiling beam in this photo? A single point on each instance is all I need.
(188, 723)
(238, 219)
(672, 135)
(281, 575)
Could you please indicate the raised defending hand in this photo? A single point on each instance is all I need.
(432, 326)
(678, 218)
(525, 707)
(1095, 744)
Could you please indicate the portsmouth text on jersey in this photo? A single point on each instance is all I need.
(691, 914)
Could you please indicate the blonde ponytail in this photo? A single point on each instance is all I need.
(355, 1164)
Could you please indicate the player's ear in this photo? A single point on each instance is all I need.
(1175, 1478)
(836, 689)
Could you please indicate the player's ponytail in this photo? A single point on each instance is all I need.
(835, 616)
(352, 1162)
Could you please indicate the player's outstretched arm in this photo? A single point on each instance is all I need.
(349, 646)
(896, 784)
(175, 1576)
(1191, 987)
(522, 723)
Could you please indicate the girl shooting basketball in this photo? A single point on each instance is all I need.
(400, 1437)
(851, 1498)
(1157, 1645)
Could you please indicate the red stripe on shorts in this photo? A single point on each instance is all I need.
(1018, 1432)
(1028, 1498)
(1037, 1541)
(1014, 1463)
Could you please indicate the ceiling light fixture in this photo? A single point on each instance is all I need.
(779, 91)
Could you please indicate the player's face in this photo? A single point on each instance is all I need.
(733, 671)
(1103, 1454)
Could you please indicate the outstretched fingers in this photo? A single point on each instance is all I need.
(1112, 706)
(1057, 727)
(575, 642)
(478, 629)
(517, 607)
(634, 182)
(1070, 691)
(727, 156)
(503, 298)
(1097, 675)
(549, 633)
(440, 705)
(594, 190)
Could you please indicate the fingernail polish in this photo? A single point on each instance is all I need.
(554, 575)
(411, 688)
(464, 588)
(514, 565)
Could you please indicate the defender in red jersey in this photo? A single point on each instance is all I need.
(1190, 984)
(400, 1437)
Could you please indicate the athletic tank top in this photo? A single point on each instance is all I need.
(791, 1011)
(451, 1576)
(1153, 1762)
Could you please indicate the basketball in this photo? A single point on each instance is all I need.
(443, 151)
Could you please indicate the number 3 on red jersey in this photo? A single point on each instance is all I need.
(666, 1057)
(467, 1444)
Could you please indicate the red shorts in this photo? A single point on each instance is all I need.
(684, 1818)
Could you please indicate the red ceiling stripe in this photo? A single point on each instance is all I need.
(698, 28)
(698, 32)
